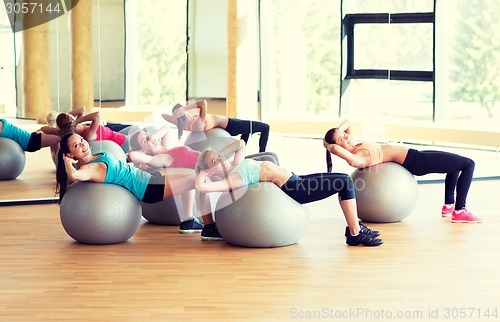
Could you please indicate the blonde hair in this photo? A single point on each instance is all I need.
(202, 164)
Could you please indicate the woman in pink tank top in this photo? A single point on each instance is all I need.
(88, 126)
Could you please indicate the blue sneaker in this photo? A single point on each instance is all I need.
(190, 226)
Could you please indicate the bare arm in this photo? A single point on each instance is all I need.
(231, 182)
(162, 134)
(169, 118)
(361, 159)
(95, 172)
(157, 161)
(345, 126)
(203, 106)
(50, 130)
(238, 147)
(94, 118)
(77, 112)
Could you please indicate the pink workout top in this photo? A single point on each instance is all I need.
(105, 133)
(184, 157)
(209, 122)
(374, 150)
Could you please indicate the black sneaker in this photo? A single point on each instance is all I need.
(210, 232)
(190, 226)
(373, 233)
(363, 238)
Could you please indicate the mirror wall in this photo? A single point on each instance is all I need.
(107, 52)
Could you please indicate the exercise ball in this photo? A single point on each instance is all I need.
(216, 139)
(165, 212)
(260, 215)
(100, 213)
(12, 159)
(265, 156)
(385, 192)
(110, 147)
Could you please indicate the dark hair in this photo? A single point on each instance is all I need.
(134, 144)
(63, 122)
(180, 121)
(62, 182)
(329, 138)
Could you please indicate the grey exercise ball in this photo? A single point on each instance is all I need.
(12, 159)
(265, 156)
(260, 215)
(216, 139)
(385, 192)
(110, 147)
(165, 212)
(100, 213)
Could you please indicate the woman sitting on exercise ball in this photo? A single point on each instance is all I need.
(458, 169)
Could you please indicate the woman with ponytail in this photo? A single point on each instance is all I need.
(459, 170)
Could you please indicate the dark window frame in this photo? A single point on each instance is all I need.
(348, 24)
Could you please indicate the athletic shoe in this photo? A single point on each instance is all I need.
(363, 238)
(373, 233)
(210, 232)
(446, 212)
(465, 217)
(190, 226)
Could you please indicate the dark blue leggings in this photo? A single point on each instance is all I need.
(245, 128)
(458, 169)
(318, 186)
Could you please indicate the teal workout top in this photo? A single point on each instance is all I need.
(125, 175)
(14, 133)
(248, 170)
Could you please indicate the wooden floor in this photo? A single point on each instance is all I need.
(426, 265)
(429, 269)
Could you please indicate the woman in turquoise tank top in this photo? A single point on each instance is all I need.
(225, 176)
(29, 141)
(103, 168)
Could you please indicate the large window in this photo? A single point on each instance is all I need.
(453, 56)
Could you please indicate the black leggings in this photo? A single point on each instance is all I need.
(458, 169)
(317, 186)
(245, 128)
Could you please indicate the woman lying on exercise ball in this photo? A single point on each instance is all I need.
(88, 126)
(151, 151)
(203, 121)
(29, 141)
(302, 188)
(458, 169)
(103, 168)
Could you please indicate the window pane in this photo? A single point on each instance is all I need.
(393, 46)
(390, 101)
(387, 6)
(156, 51)
(300, 58)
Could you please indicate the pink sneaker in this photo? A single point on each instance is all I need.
(446, 212)
(465, 217)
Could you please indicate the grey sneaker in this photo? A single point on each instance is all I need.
(210, 232)
(190, 226)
